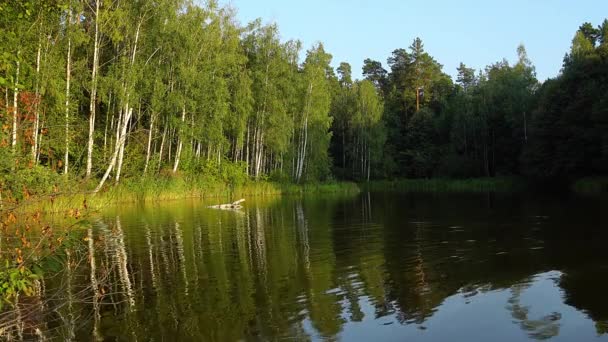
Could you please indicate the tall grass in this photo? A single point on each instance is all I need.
(591, 185)
(174, 188)
(449, 185)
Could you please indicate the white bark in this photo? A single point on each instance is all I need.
(68, 78)
(92, 103)
(39, 141)
(247, 151)
(120, 140)
(148, 150)
(15, 105)
(180, 144)
(162, 146)
(121, 148)
(126, 123)
(105, 132)
(37, 105)
(304, 138)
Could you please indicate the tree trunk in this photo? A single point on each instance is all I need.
(121, 148)
(180, 144)
(120, 140)
(368, 164)
(68, 78)
(37, 105)
(127, 109)
(92, 103)
(247, 151)
(15, 105)
(525, 128)
(105, 132)
(148, 151)
(304, 139)
(162, 146)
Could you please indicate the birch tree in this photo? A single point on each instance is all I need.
(313, 136)
(95, 17)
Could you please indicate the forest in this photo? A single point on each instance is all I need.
(95, 92)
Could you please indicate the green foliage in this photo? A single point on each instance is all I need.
(440, 185)
(568, 139)
(15, 280)
(215, 100)
(25, 182)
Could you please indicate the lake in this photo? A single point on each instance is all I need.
(367, 267)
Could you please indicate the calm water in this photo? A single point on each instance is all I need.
(372, 267)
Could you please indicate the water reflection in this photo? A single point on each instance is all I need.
(377, 266)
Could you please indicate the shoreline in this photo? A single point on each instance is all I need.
(171, 189)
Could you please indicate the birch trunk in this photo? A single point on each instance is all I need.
(304, 140)
(368, 164)
(121, 152)
(162, 146)
(68, 74)
(92, 103)
(15, 105)
(180, 144)
(120, 140)
(37, 105)
(247, 151)
(127, 109)
(148, 151)
(105, 132)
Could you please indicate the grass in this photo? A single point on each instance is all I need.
(174, 188)
(440, 185)
(591, 185)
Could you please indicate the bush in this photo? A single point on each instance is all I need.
(34, 180)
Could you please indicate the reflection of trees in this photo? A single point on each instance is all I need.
(369, 252)
(190, 273)
(120, 253)
(94, 284)
(585, 290)
(539, 329)
(318, 258)
(416, 285)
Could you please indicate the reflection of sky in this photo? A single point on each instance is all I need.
(483, 317)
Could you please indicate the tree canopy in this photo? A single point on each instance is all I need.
(109, 90)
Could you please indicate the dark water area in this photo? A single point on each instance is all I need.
(371, 267)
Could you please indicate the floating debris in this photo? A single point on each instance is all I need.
(230, 206)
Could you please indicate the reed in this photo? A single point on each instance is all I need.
(449, 185)
(591, 185)
(174, 188)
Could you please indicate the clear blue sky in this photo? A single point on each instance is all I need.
(475, 32)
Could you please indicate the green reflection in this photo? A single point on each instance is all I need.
(311, 268)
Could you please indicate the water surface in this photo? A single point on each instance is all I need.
(372, 267)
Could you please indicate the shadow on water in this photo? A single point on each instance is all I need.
(376, 266)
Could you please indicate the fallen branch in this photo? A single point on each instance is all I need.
(230, 206)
